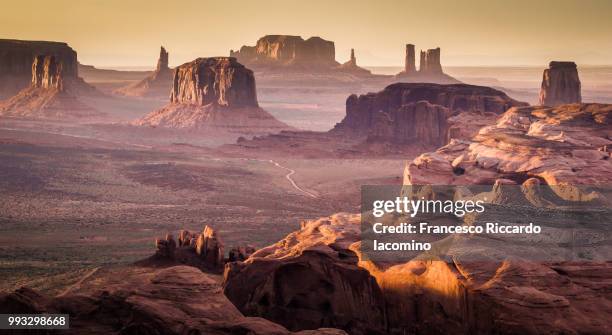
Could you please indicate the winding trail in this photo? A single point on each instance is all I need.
(293, 183)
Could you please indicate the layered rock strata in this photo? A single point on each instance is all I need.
(51, 94)
(421, 113)
(568, 144)
(17, 57)
(213, 92)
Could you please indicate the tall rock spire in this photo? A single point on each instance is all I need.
(430, 61)
(162, 62)
(409, 63)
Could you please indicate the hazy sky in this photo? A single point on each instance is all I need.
(488, 32)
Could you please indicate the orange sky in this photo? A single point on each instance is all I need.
(109, 33)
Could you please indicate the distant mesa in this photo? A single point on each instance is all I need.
(17, 56)
(53, 92)
(156, 84)
(430, 70)
(425, 113)
(214, 92)
(293, 53)
(560, 84)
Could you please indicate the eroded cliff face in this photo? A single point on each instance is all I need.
(568, 144)
(220, 81)
(315, 277)
(419, 113)
(560, 84)
(302, 283)
(214, 92)
(16, 58)
(286, 50)
(51, 93)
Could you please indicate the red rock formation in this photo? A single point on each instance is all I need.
(563, 145)
(177, 300)
(414, 113)
(157, 84)
(560, 84)
(302, 283)
(210, 248)
(16, 58)
(352, 67)
(409, 63)
(314, 277)
(214, 92)
(285, 50)
(430, 61)
(51, 94)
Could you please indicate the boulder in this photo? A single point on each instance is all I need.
(560, 84)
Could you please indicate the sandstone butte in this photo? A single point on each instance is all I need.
(213, 93)
(53, 92)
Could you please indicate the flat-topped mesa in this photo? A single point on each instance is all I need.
(220, 81)
(560, 84)
(287, 50)
(409, 63)
(16, 58)
(162, 62)
(421, 112)
(430, 61)
(47, 72)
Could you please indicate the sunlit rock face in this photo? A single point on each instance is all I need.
(568, 144)
(560, 84)
(219, 81)
(318, 276)
(47, 72)
(16, 58)
(419, 113)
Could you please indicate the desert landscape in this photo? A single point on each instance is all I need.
(230, 192)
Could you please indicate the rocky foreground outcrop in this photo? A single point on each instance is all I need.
(177, 300)
(418, 113)
(16, 58)
(560, 84)
(157, 84)
(318, 276)
(568, 144)
(214, 92)
(53, 92)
